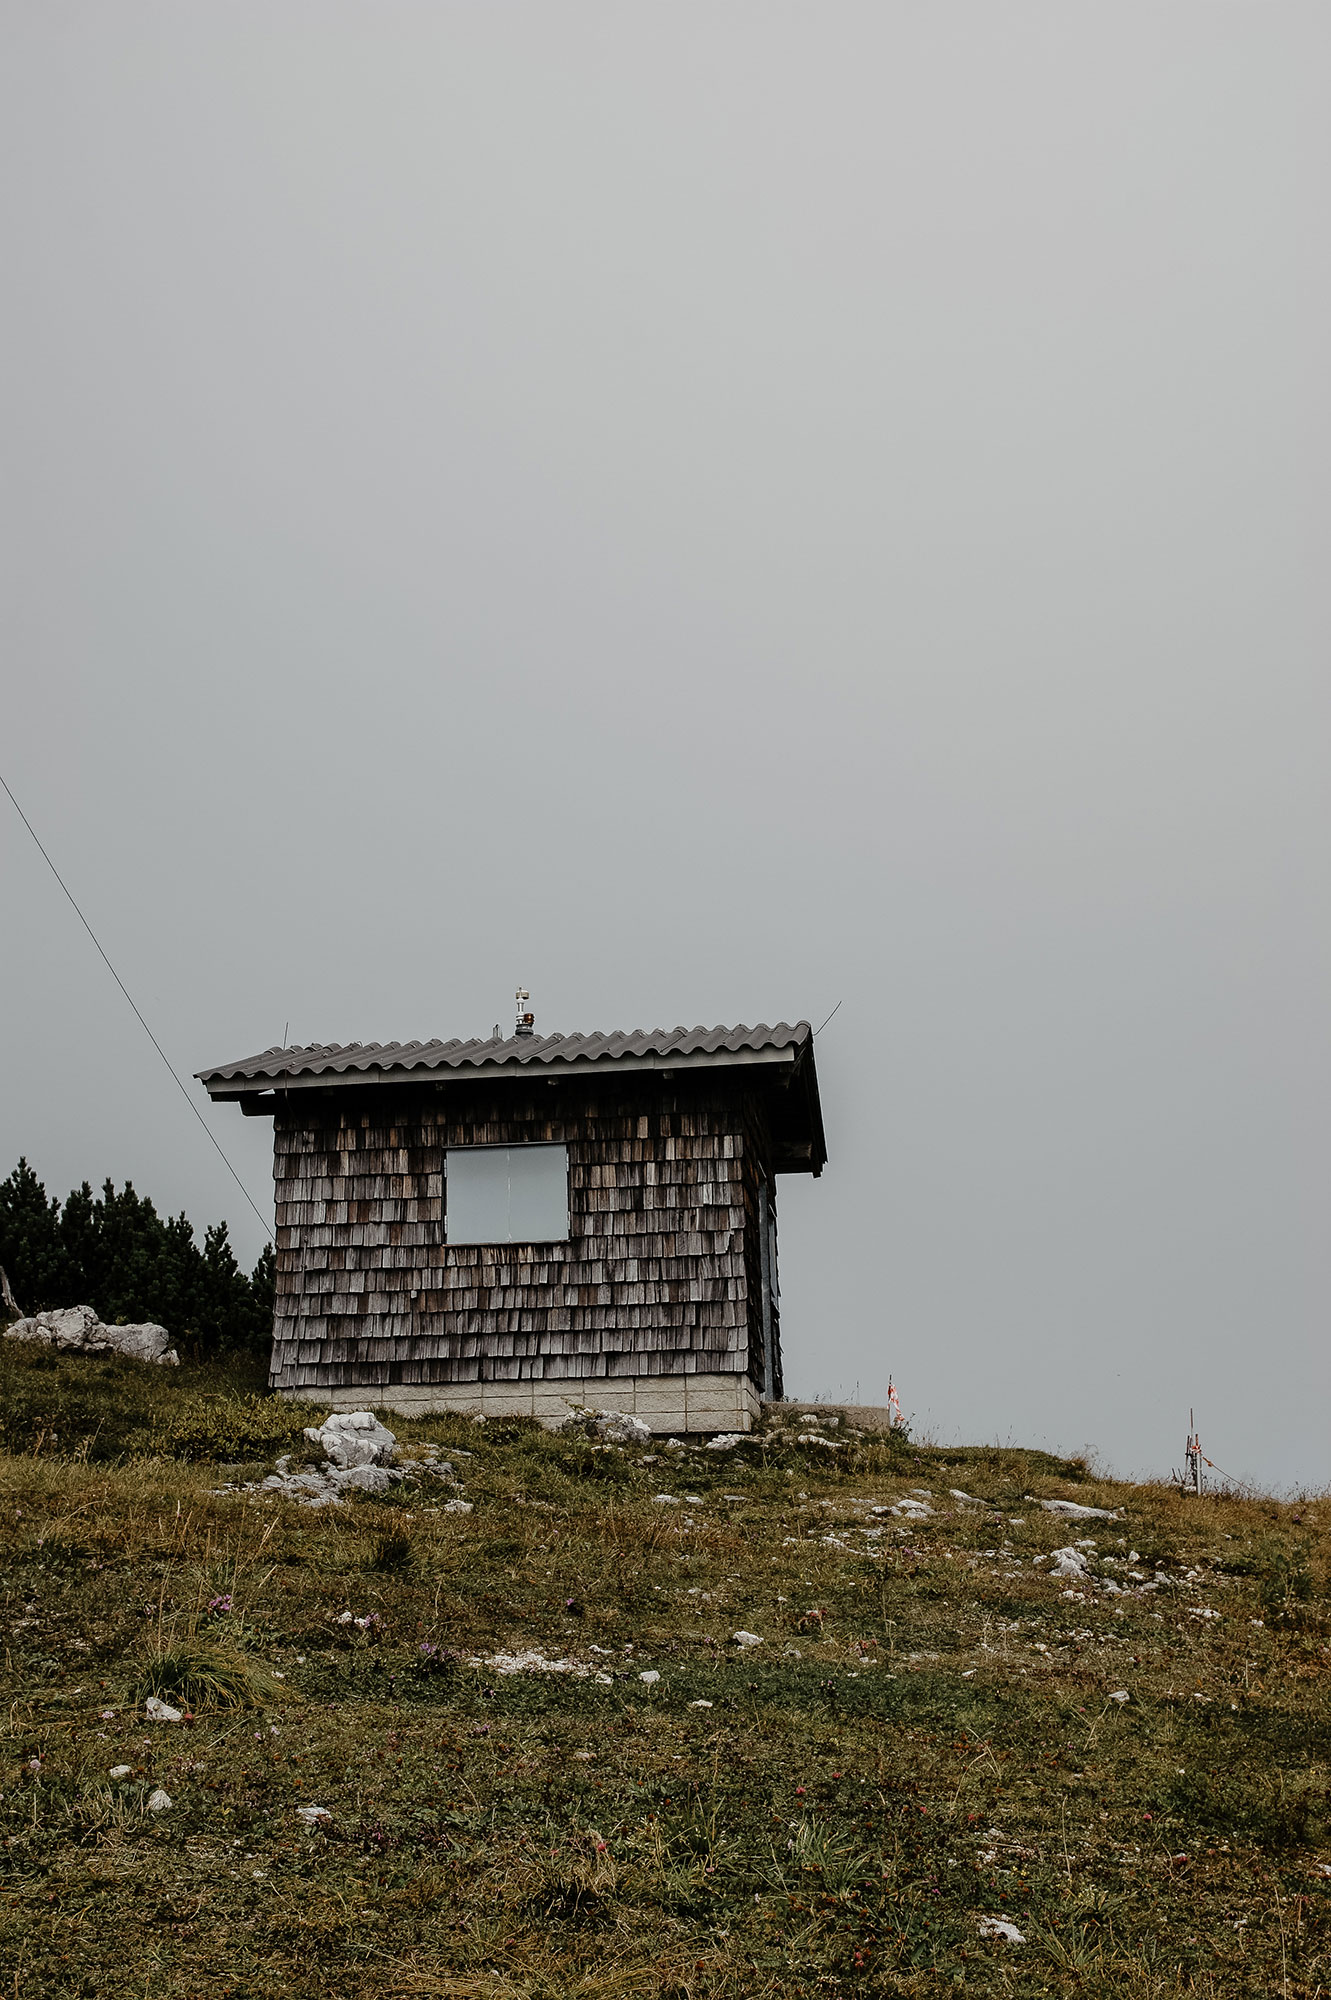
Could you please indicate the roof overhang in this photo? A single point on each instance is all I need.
(236, 1088)
(787, 1070)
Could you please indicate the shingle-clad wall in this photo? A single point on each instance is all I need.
(653, 1282)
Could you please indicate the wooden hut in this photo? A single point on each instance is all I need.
(518, 1225)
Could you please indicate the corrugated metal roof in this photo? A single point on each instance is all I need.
(333, 1059)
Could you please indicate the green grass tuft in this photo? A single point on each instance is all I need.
(198, 1674)
(393, 1552)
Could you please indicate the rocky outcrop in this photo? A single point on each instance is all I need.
(356, 1451)
(77, 1330)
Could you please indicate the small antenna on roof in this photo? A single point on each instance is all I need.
(526, 1022)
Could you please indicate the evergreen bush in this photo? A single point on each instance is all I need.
(114, 1252)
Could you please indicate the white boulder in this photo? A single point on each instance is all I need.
(364, 1478)
(356, 1448)
(353, 1437)
(610, 1426)
(77, 1330)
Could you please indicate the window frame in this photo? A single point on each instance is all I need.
(525, 1147)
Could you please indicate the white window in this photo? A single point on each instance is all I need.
(506, 1194)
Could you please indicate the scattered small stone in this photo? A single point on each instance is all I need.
(121, 1770)
(746, 1638)
(159, 1801)
(161, 1711)
(311, 1815)
(530, 1662)
(1001, 1927)
(610, 1426)
(650, 1676)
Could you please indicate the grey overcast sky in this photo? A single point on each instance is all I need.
(709, 511)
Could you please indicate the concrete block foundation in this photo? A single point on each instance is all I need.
(668, 1404)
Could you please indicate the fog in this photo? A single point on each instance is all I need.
(709, 513)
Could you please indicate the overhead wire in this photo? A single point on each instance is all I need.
(817, 1031)
(170, 1068)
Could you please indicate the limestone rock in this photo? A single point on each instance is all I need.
(77, 1330)
(357, 1447)
(366, 1478)
(1001, 1927)
(617, 1427)
(353, 1437)
(1071, 1511)
(610, 1426)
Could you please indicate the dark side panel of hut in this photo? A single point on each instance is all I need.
(521, 1225)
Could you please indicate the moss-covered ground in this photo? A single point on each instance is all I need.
(1129, 1766)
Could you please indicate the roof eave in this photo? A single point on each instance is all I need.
(232, 1089)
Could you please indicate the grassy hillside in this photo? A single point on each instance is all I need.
(1129, 1766)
